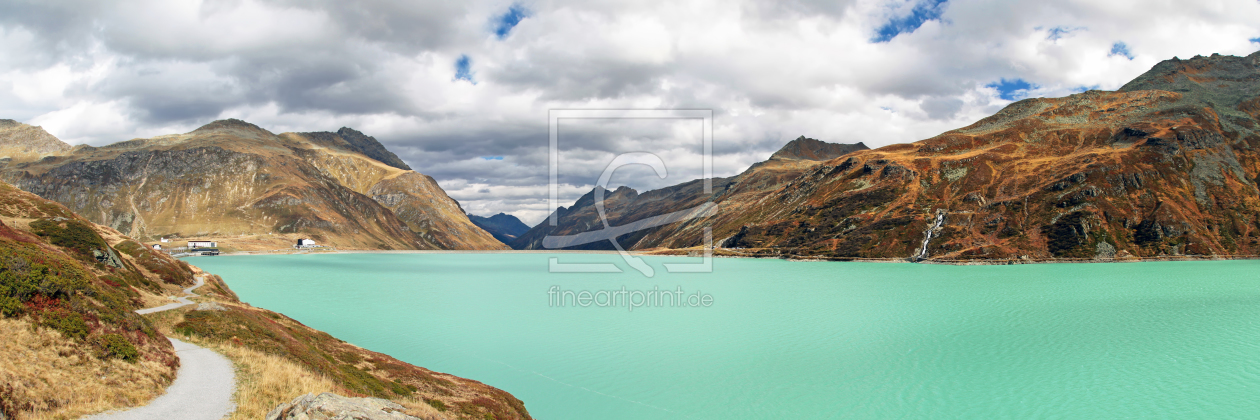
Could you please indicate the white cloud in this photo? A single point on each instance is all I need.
(771, 70)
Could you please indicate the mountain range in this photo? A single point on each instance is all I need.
(505, 227)
(1165, 166)
(250, 188)
(625, 205)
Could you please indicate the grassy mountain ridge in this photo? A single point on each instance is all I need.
(231, 179)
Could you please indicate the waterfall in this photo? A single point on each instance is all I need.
(927, 236)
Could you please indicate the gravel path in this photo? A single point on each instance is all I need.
(203, 386)
(182, 300)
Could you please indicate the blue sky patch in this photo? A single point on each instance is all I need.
(492, 157)
(463, 69)
(1058, 32)
(1080, 89)
(1255, 40)
(924, 11)
(1120, 49)
(1013, 89)
(503, 24)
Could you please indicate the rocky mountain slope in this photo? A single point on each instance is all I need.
(1167, 165)
(351, 139)
(505, 227)
(730, 195)
(231, 179)
(815, 150)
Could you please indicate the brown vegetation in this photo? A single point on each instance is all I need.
(283, 359)
(73, 344)
(1166, 167)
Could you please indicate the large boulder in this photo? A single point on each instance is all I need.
(330, 406)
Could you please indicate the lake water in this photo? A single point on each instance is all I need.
(797, 340)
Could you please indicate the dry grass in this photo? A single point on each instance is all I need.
(268, 376)
(151, 300)
(415, 406)
(44, 375)
(264, 381)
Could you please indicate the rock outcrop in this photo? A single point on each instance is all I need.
(351, 139)
(330, 406)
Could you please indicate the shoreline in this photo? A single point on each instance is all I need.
(793, 258)
(415, 251)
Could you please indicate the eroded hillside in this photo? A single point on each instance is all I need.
(1138, 172)
(1166, 166)
(233, 179)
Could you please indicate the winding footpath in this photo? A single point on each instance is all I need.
(203, 386)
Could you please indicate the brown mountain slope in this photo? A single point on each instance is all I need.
(1166, 166)
(414, 198)
(352, 139)
(811, 149)
(232, 179)
(625, 205)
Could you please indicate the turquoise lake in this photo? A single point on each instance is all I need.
(797, 340)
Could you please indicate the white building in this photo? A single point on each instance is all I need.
(305, 243)
(202, 244)
(157, 247)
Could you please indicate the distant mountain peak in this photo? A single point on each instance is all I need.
(231, 124)
(504, 227)
(804, 148)
(22, 141)
(344, 131)
(369, 146)
(1216, 80)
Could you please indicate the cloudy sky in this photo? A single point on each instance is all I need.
(461, 89)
